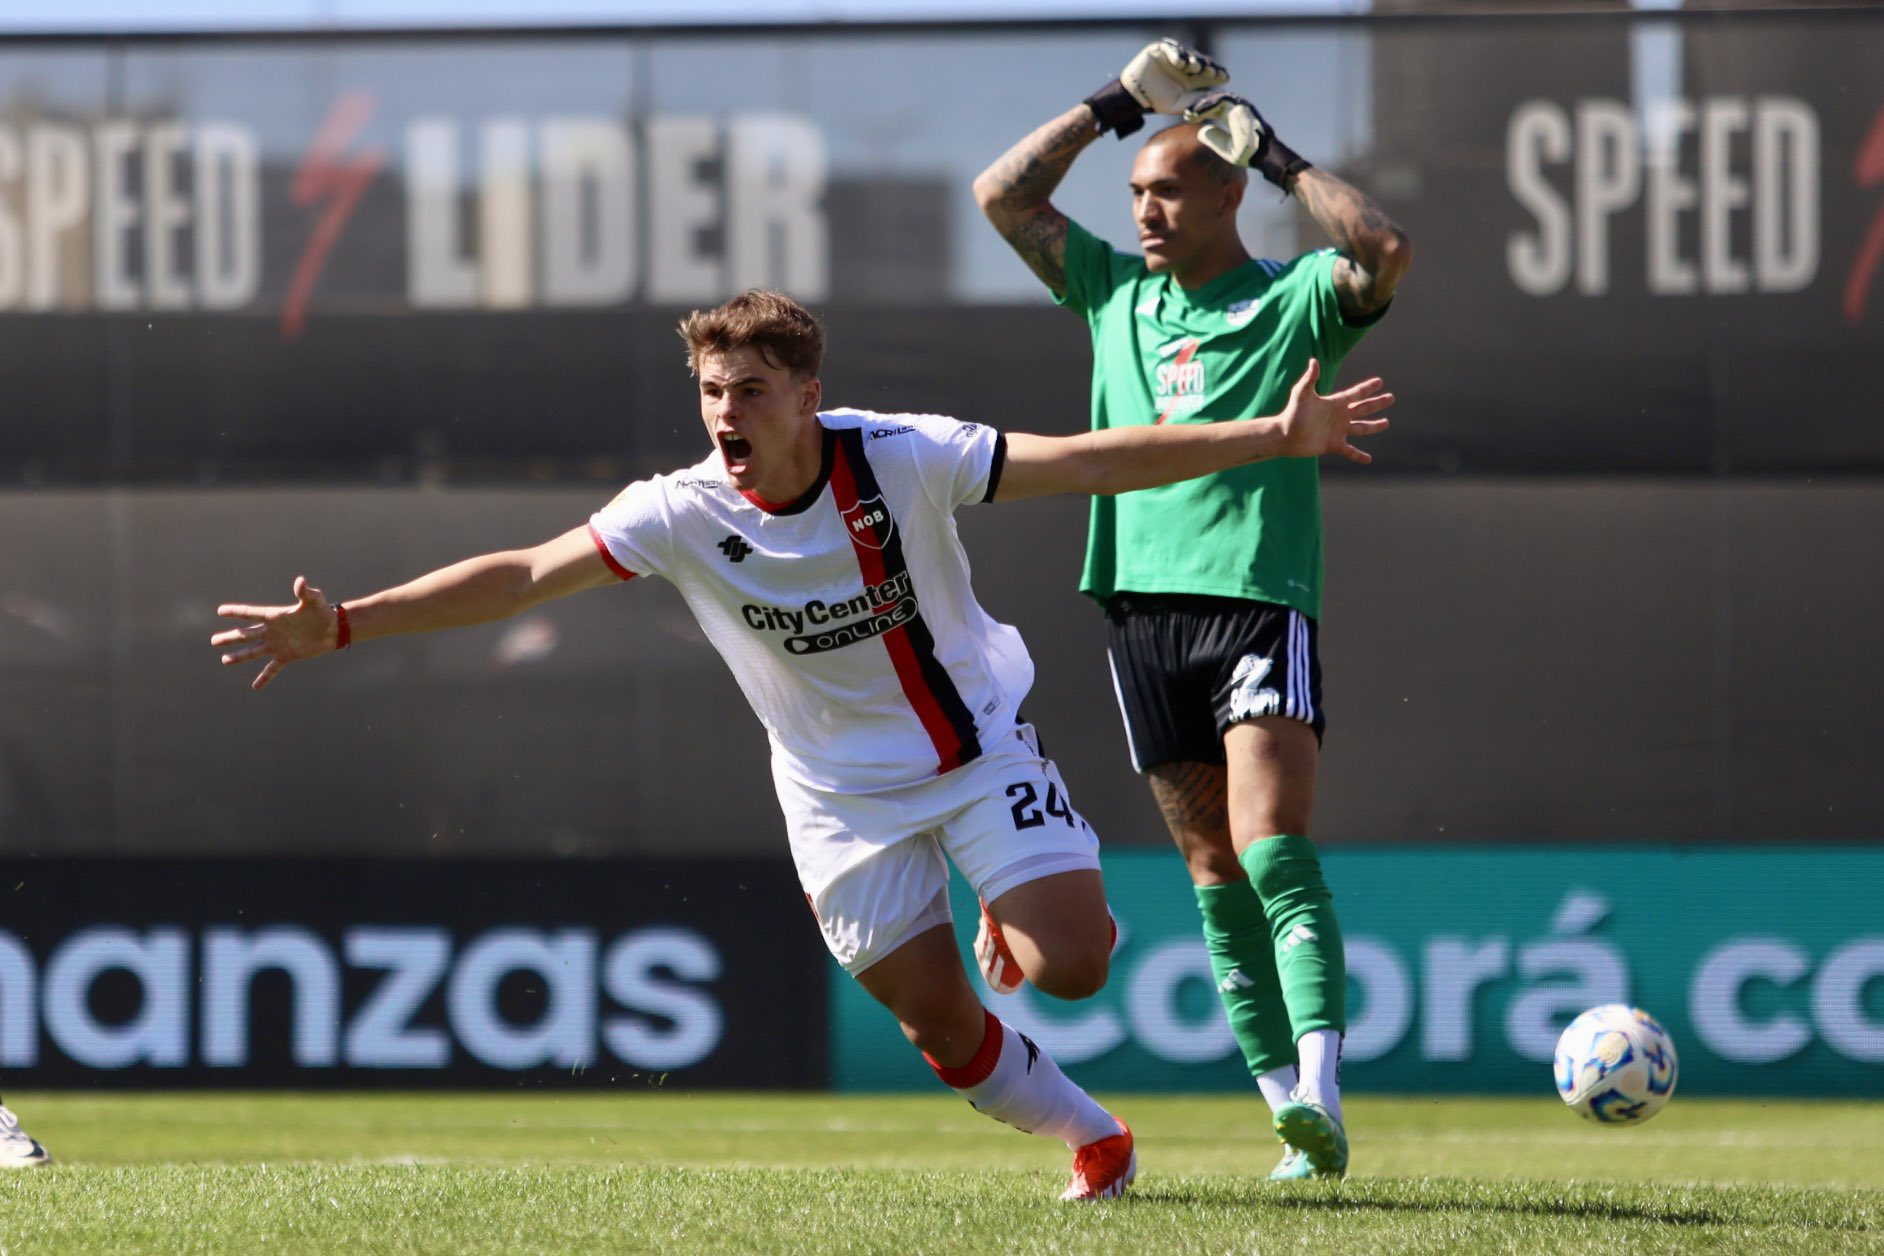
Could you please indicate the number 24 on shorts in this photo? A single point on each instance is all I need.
(1029, 816)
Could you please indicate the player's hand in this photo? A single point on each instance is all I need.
(1233, 128)
(1160, 79)
(1317, 425)
(1163, 75)
(1236, 131)
(280, 634)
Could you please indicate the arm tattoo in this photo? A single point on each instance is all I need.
(1361, 231)
(1040, 239)
(1193, 798)
(1016, 189)
(1028, 172)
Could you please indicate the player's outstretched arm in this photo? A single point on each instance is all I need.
(1015, 192)
(1120, 459)
(475, 591)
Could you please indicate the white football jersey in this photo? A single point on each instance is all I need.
(846, 616)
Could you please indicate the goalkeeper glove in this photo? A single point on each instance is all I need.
(1235, 131)
(1158, 80)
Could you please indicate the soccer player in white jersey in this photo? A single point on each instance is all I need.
(818, 551)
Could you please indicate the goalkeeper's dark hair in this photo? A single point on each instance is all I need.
(1202, 156)
(783, 331)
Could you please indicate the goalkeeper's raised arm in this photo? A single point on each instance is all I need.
(1015, 192)
(1173, 168)
(1374, 251)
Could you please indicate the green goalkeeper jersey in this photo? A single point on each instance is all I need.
(1228, 350)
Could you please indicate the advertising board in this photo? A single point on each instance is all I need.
(353, 973)
(1465, 963)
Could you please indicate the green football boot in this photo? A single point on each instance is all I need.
(1307, 1128)
(1294, 1167)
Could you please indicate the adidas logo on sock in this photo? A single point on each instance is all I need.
(1297, 936)
(1234, 980)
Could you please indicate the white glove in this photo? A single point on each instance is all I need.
(1164, 73)
(1236, 131)
(1232, 128)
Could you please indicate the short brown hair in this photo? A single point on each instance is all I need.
(783, 331)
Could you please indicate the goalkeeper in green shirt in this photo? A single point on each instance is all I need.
(1212, 588)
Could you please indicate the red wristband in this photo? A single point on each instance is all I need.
(343, 634)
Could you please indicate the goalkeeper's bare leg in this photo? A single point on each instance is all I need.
(1001, 1072)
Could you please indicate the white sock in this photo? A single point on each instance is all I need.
(1321, 1069)
(1276, 1085)
(1015, 1082)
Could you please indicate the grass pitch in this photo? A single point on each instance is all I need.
(672, 1171)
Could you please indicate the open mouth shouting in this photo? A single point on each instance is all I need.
(736, 450)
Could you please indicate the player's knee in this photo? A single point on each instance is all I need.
(1074, 974)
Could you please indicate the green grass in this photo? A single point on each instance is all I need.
(673, 1171)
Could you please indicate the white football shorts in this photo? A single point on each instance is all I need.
(873, 866)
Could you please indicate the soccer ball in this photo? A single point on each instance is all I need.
(1616, 1065)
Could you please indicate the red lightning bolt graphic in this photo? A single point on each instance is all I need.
(322, 176)
(1183, 356)
(1870, 172)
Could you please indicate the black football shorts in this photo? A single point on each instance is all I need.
(1186, 668)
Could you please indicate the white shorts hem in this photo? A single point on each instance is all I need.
(1034, 869)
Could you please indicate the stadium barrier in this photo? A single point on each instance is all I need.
(1767, 966)
(369, 974)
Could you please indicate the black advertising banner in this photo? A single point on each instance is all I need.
(1641, 243)
(317, 973)
(395, 259)
(359, 258)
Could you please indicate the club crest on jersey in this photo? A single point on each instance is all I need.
(869, 523)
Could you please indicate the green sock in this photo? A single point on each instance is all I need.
(1310, 962)
(1243, 960)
